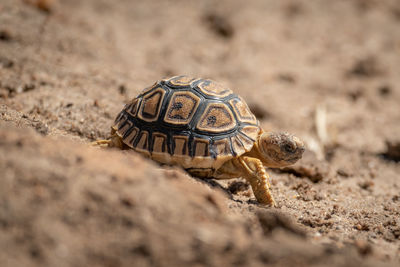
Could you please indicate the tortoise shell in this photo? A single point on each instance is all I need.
(197, 124)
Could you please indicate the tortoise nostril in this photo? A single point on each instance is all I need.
(298, 142)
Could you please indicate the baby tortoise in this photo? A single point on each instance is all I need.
(207, 130)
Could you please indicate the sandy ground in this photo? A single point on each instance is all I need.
(327, 71)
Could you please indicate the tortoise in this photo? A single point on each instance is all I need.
(206, 129)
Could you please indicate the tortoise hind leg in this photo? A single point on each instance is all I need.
(114, 141)
(101, 143)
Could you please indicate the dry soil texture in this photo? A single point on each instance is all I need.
(328, 71)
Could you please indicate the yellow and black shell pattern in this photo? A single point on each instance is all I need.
(197, 124)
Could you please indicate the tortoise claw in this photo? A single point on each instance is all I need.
(101, 143)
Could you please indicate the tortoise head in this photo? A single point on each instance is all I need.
(279, 149)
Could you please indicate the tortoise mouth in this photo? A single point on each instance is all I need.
(284, 159)
(294, 159)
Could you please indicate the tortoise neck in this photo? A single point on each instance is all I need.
(255, 150)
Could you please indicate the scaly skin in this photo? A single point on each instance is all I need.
(258, 179)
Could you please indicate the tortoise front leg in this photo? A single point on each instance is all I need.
(258, 178)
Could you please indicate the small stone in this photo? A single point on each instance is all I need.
(392, 151)
(366, 185)
(363, 247)
(5, 35)
(122, 89)
(6, 63)
(342, 172)
(384, 90)
(367, 67)
(220, 25)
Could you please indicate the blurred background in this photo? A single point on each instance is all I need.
(327, 71)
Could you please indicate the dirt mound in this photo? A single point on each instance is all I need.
(64, 204)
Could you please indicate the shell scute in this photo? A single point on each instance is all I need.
(242, 110)
(222, 147)
(180, 81)
(150, 88)
(237, 146)
(212, 88)
(201, 147)
(142, 144)
(151, 104)
(217, 117)
(247, 143)
(131, 136)
(181, 107)
(159, 143)
(251, 131)
(132, 107)
(123, 125)
(180, 145)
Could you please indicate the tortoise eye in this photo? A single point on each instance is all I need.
(289, 148)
